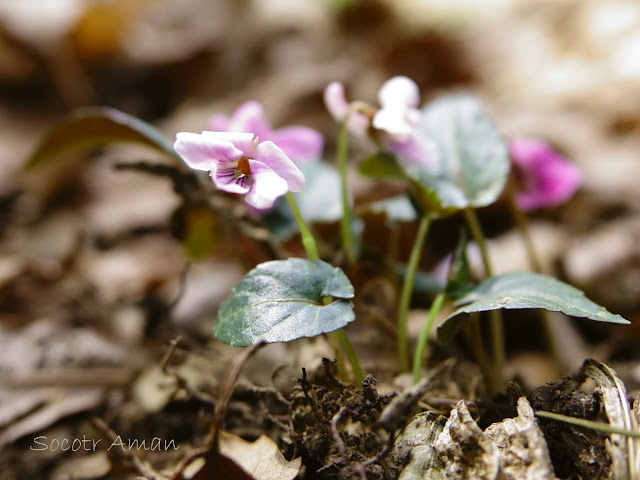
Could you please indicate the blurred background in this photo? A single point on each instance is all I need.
(80, 280)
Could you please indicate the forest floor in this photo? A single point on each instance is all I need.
(106, 336)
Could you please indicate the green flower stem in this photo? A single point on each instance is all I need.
(347, 215)
(421, 344)
(474, 337)
(340, 360)
(307, 238)
(341, 337)
(590, 424)
(525, 232)
(312, 252)
(478, 235)
(495, 317)
(407, 289)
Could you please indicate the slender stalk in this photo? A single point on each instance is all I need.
(344, 342)
(495, 318)
(307, 238)
(590, 424)
(312, 252)
(407, 289)
(340, 356)
(421, 344)
(525, 232)
(472, 332)
(478, 235)
(346, 221)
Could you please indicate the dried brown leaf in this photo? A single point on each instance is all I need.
(469, 454)
(261, 458)
(623, 450)
(523, 450)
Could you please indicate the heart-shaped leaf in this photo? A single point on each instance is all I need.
(525, 290)
(472, 163)
(96, 127)
(283, 300)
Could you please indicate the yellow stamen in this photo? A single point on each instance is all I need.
(243, 167)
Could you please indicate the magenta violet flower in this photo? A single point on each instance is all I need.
(240, 163)
(297, 142)
(543, 177)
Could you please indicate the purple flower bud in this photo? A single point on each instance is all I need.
(543, 177)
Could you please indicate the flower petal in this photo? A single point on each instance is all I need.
(399, 91)
(338, 107)
(399, 98)
(270, 154)
(393, 120)
(298, 143)
(267, 186)
(545, 177)
(335, 100)
(203, 153)
(242, 141)
(249, 117)
(417, 150)
(225, 179)
(219, 123)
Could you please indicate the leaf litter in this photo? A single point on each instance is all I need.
(70, 350)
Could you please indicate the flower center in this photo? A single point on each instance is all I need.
(243, 169)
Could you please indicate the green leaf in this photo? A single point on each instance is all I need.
(397, 209)
(525, 290)
(471, 164)
(380, 165)
(319, 200)
(97, 127)
(283, 300)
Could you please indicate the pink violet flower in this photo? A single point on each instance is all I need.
(297, 142)
(399, 116)
(544, 178)
(336, 103)
(396, 122)
(240, 163)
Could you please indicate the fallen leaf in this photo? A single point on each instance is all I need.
(512, 449)
(63, 403)
(93, 466)
(523, 450)
(415, 447)
(261, 459)
(461, 434)
(623, 450)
